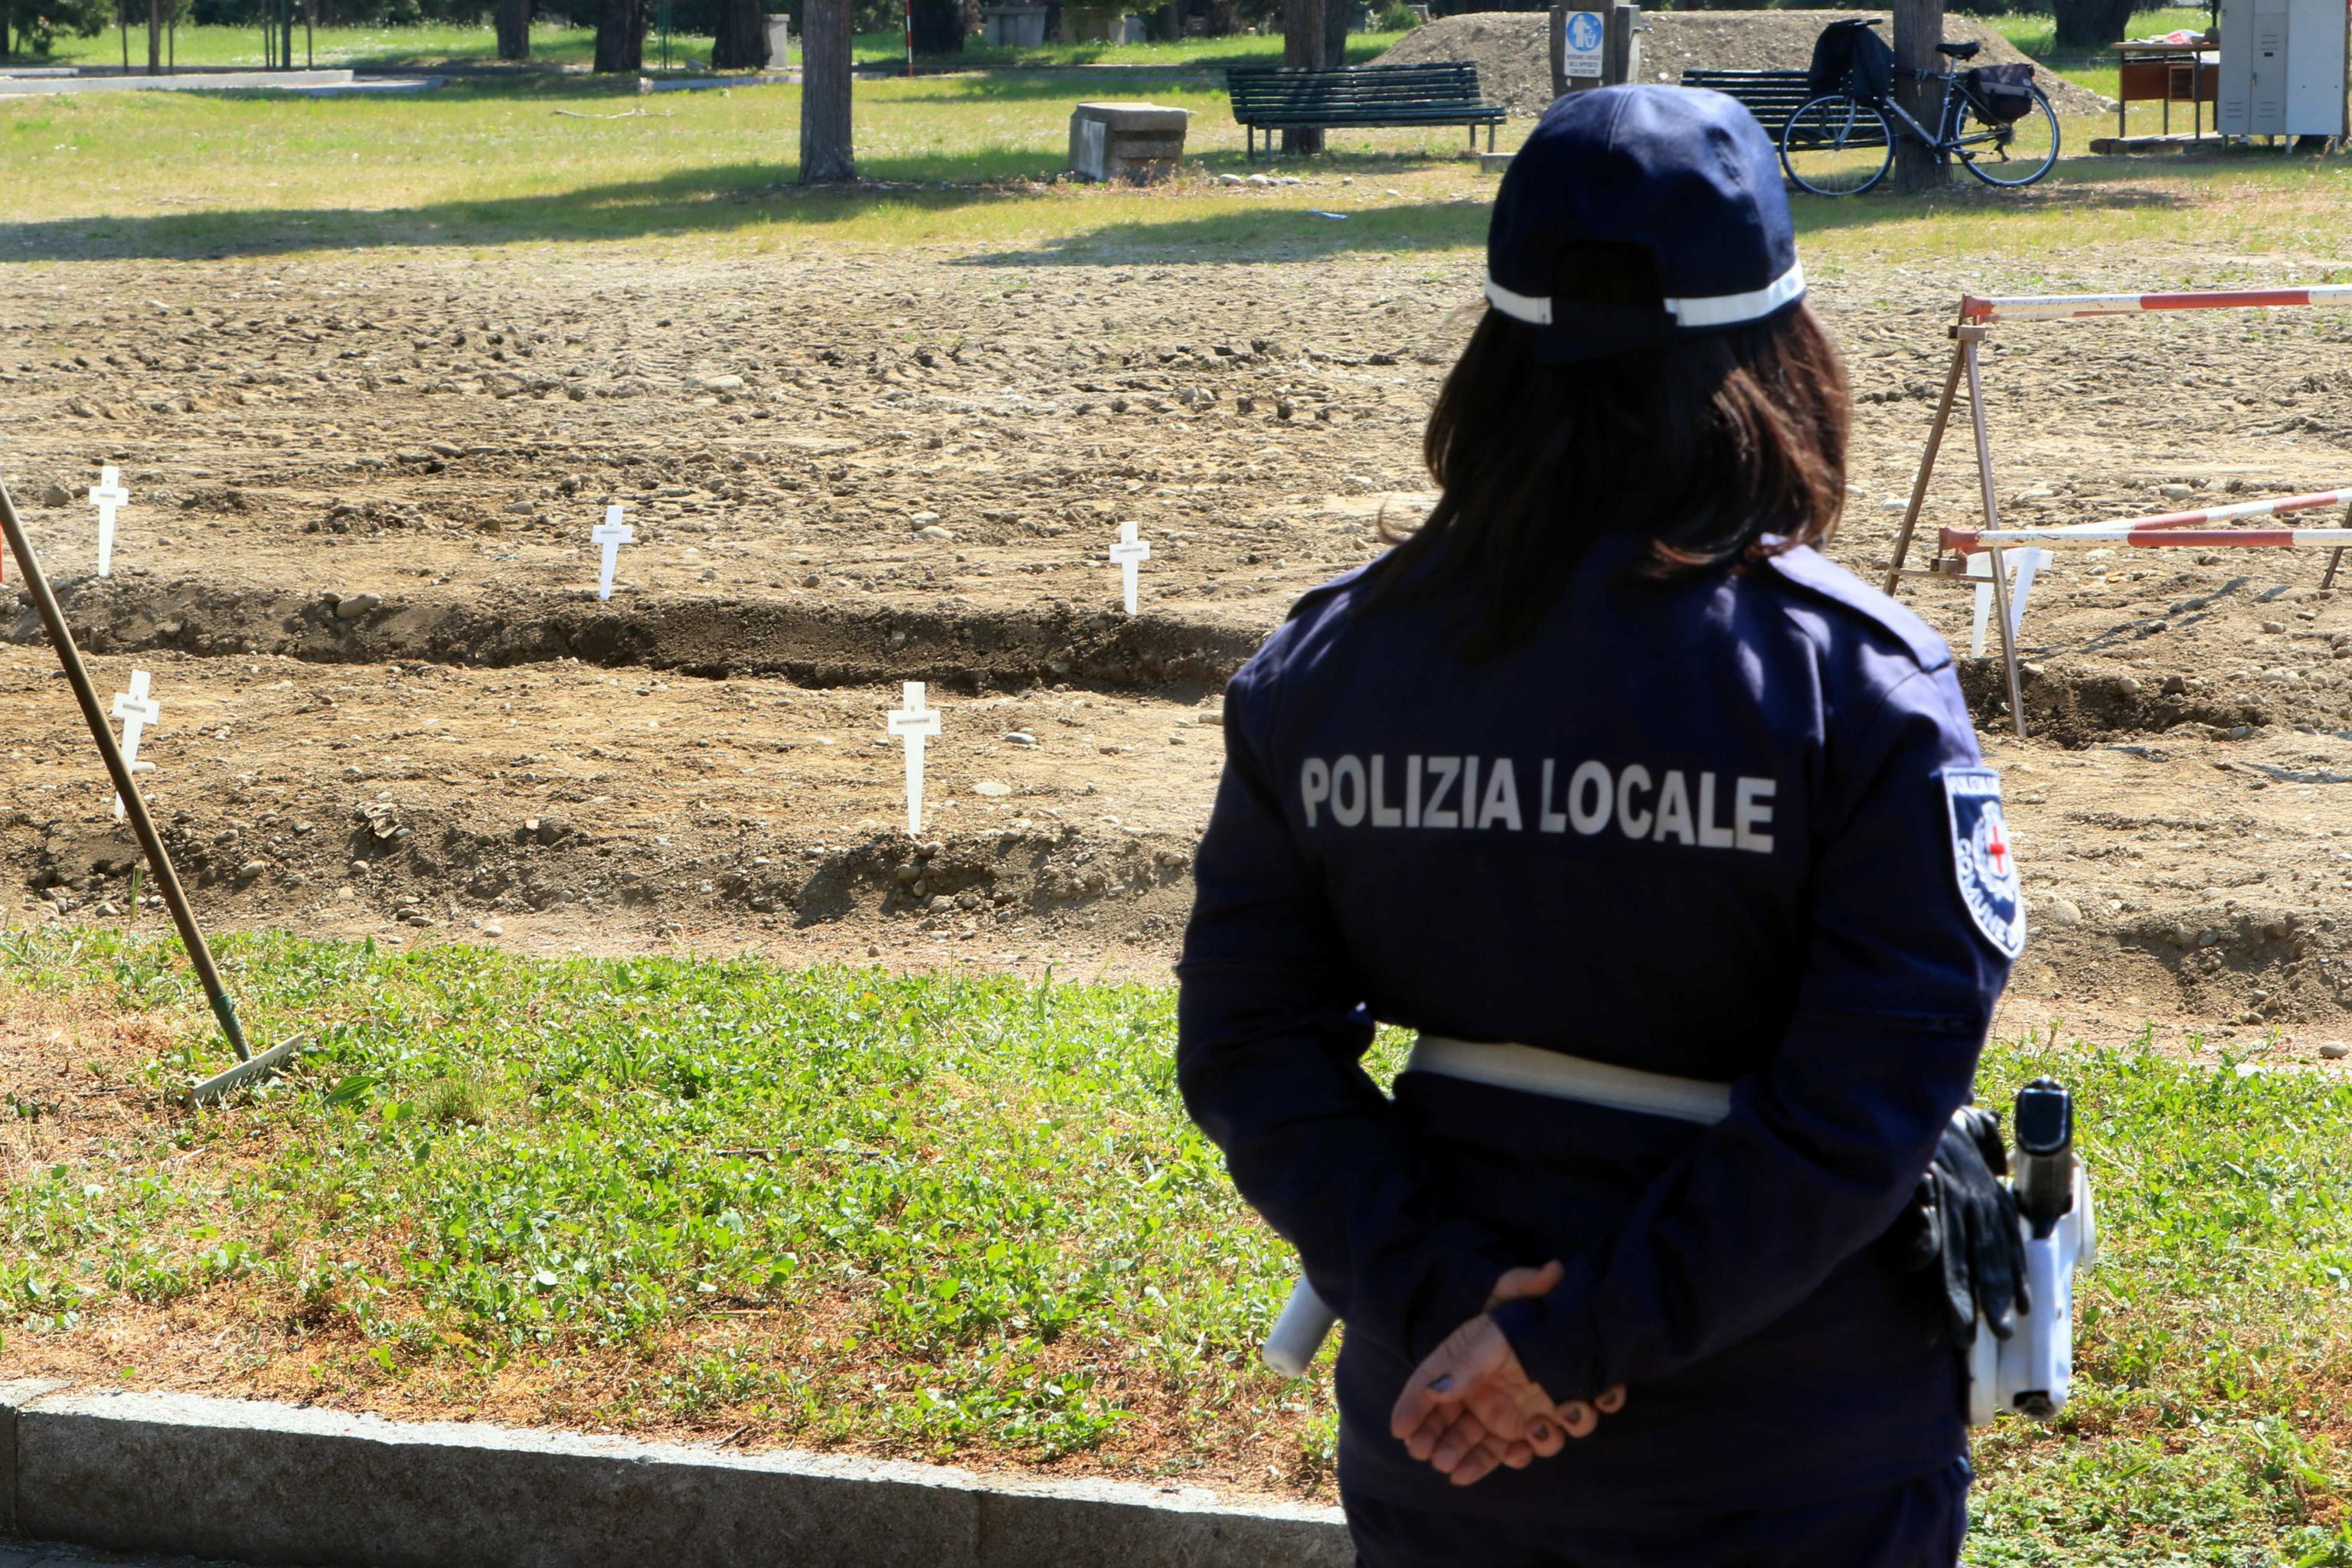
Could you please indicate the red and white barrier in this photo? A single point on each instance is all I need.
(2217, 513)
(1983, 310)
(1978, 315)
(2171, 528)
(1967, 540)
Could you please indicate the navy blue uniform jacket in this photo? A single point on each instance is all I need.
(1705, 829)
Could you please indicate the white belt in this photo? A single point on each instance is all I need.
(1563, 1077)
(1290, 1347)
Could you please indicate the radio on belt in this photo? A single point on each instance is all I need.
(2030, 1372)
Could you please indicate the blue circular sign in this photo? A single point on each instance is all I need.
(1583, 31)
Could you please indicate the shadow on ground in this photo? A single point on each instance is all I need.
(1256, 231)
(2095, 185)
(715, 200)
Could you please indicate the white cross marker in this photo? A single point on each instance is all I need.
(914, 721)
(137, 711)
(1129, 552)
(612, 534)
(2022, 565)
(109, 496)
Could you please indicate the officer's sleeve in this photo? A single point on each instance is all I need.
(1823, 1148)
(1270, 1027)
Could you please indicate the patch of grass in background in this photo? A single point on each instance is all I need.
(446, 44)
(385, 48)
(948, 1216)
(491, 162)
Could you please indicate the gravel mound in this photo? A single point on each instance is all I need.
(1509, 50)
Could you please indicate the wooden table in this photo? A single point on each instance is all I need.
(2168, 73)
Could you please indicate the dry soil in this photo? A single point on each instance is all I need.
(357, 564)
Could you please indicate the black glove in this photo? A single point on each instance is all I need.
(1961, 1231)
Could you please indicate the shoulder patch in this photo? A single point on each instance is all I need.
(1815, 574)
(1982, 859)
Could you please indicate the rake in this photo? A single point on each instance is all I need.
(249, 1067)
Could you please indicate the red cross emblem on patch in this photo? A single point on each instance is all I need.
(1981, 857)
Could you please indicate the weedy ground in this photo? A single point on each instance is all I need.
(951, 1218)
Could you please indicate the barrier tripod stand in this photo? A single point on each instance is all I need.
(249, 1067)
(1978, 314)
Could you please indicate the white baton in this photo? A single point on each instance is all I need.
(1299, 1332)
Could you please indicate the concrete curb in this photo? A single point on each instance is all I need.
(273, 1483)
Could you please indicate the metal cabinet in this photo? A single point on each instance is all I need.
(2283, 68)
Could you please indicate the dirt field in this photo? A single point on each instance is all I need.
(357, 563)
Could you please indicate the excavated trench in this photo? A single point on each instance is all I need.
(811, 644)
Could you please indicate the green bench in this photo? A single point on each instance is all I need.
(1770, 96)
(1286, 98)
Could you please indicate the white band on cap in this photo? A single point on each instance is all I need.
(1711, 310)
(1528, 308)
(1731, 309)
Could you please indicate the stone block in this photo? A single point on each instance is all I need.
(14, 1397)
(272, 1483)
(1132, 142)
(218, 1478)
(1021, 1526)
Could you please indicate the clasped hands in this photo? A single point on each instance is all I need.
(1470, 1407)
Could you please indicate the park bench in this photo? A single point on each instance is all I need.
(1284, 98)
(1770, 96)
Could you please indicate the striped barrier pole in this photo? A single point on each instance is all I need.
(2217, 513)
(1968, 541)
(1984, 310)
(1978, 313)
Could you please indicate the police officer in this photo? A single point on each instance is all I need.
(1671, 843)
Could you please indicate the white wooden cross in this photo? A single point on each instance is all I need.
(137, 711)
(612, 534)
(1129, 552)
(2023, 565)
(913, 722)
(109, 496)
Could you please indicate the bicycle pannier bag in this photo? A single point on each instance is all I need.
(2003, 94)
(1849, 57)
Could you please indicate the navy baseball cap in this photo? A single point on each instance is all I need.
(1682, 172)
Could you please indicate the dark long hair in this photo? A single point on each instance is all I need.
(1702, 446)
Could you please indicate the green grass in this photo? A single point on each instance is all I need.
(508, 160)
(445, 44)
(372, 48)
(1201, 54)
(961, 1216)
(503, 161)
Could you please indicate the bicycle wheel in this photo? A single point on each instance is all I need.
(2016, 153)
(1837, 145)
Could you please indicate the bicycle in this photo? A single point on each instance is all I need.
(1841, 144)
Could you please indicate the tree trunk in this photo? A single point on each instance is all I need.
(620, 34)
(514, 29)
(2091, 23)
(1336, 14)
(939, 26)
(741, 44)
(1302, 45)
(1918, 29)
(825, 154)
